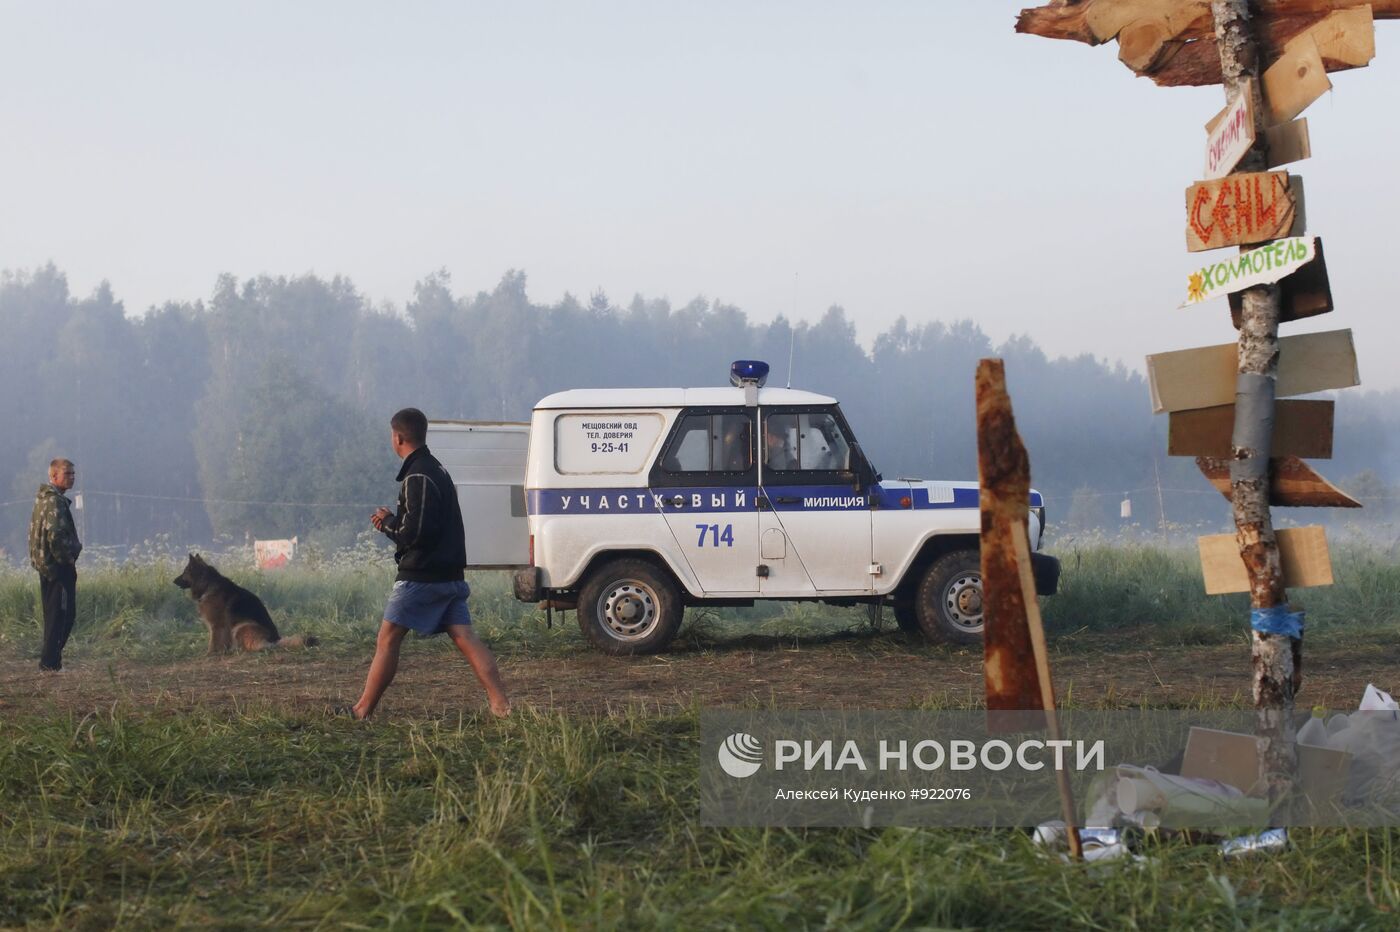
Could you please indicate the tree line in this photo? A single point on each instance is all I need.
(262, 411)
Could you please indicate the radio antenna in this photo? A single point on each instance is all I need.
(792, 333)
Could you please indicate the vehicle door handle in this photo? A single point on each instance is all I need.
(787, 499)
(677, 501)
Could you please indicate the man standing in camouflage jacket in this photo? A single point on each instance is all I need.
(54, 549)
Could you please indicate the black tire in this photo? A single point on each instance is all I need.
(948, 602)
(904, 614)
(629, 607)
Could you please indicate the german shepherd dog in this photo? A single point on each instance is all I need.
(233, 615)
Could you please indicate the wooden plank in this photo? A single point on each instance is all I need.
(1205, 377)
(1346, 37)
(1292, 483)
(1262, 266)
(1003, 469)
(1294, 81)
(1302, 550)
(1173, 43)
(1288, 142)
(1233, 134)
(1301, 428)
(1241, 209)
(1305, 293)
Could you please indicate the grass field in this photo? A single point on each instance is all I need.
(151, 786)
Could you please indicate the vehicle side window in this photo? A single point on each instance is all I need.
(710, 443)
(805, 442)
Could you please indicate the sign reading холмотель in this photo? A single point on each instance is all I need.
(1262, 266)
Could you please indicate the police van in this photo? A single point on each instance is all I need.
(627, 505)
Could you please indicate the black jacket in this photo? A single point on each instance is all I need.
(427, 528)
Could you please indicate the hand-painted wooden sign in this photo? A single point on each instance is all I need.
(1231, 134)
(1292, 483)
(1251, 207)
(1301, 428)
(1262, 266)
(1305, 293)
(1205, 377)
(1302, 551)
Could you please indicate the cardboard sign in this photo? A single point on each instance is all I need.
(1262, 266)
(1292, 483)
(1250, 207)
(1233, 759)
(1305, 293)
(1231, 134)
(1205, 377)
(1295, 80)
(274, 554)
(1301, 550)
(1301, 428)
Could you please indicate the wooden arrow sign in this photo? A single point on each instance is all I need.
(1292, 483)
(1250, 207)
(1301, 428)
(1231, 134)
(1263, 266)
(1205, 377)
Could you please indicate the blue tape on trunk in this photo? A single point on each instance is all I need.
(1277, 620)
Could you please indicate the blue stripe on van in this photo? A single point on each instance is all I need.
(709, 499)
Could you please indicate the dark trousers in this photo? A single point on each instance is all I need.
(58, 594)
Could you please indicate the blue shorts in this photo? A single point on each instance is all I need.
(428, 608)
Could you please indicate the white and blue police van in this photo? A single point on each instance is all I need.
(636, 503)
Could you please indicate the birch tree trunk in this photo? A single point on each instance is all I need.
(1276, 658)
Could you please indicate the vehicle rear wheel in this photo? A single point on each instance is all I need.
(949, 599)
(629, 607)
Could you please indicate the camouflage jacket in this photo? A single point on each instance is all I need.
(53, 538)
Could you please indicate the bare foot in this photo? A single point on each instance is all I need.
(500, 706)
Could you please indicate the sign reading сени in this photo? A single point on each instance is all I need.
(608, 442)
(1262, 266)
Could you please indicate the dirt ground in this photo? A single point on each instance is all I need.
(879, 671)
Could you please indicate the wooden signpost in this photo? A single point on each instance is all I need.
(1276, 53)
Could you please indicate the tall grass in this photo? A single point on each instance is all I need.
(549, 821)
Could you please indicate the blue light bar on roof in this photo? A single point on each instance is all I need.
(748, 371)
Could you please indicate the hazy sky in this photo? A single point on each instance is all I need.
(911, 158)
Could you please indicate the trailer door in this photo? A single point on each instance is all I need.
(486, 460)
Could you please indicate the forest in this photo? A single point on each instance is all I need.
(262, 411)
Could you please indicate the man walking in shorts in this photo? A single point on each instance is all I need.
(430, 593)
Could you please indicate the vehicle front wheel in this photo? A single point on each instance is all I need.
(949, 599)
(629, 607)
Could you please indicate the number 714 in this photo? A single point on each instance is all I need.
(717, 535)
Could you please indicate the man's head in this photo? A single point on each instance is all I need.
(408, 430)
(62, 474)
